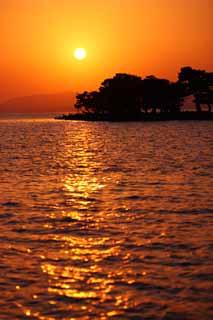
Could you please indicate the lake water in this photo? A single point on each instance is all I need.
(105, 221)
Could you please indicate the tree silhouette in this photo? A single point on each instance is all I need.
(117, 97)
(130, 97)
(199, 83)
(121, 95)
(87, 101)
(155, 94)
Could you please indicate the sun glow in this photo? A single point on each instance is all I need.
(80, 53)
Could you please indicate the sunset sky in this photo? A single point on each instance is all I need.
(141, 37)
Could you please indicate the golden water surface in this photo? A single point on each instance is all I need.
(105, 221)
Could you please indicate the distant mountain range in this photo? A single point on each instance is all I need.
(57, 102)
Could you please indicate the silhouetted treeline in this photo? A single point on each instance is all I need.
(198, 83)
(127, 95)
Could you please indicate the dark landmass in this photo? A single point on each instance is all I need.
(186, 115)
(40, 103)
(127, 97)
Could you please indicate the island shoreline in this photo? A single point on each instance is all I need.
(180, 116)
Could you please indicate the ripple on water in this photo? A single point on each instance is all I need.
(11, 204)
(105, 221)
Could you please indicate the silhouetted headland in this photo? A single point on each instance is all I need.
(128, 97)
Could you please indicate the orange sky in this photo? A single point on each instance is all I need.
(135, 36)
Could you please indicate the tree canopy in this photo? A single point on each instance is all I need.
(199, 83)
(126, 95)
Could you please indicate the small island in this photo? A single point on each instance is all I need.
(128, 97)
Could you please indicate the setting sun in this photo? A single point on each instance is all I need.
(80, 53)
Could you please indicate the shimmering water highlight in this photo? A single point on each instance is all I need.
(105, 220)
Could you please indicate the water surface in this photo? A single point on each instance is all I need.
(105, 220)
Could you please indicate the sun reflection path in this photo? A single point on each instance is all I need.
(82, 187)
(94, 267)
(83, 276)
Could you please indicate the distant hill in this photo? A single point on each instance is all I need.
(58, 102)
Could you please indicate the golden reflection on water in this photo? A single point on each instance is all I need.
(90, 280)
(89, 252)
(105, 231)
(83, 185)
(61, 279)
